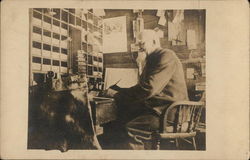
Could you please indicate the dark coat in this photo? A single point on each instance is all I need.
(161, 82)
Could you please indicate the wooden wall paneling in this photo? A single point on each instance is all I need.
(193, 19)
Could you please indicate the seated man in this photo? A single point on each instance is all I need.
(161, 82)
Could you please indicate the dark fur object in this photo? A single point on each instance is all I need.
(60, 120)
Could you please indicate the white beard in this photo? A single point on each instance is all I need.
(140, 60)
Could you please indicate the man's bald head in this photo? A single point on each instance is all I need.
(148, 41)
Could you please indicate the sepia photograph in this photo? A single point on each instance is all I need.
(124, 79)
(117, 79)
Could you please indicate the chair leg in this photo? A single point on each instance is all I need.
(177, 143)
(194, 143)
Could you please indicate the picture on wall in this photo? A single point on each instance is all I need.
(114, 35)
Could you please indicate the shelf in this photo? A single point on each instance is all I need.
(56, 29)
(64, 18)
(93, 25)
(92, 76)
(55, 55)
(64, 44)
(64, 69)
(64, 57)
(56, 69)
(46, 67)
(36, 51)
(37, 22)
(36, 36)
(36, 66)
(50, 48)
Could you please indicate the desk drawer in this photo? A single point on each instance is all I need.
(104, 111)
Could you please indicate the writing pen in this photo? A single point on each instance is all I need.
(117, 82)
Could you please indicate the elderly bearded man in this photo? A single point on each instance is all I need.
(161, 82)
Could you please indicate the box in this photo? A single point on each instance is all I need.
(95, 73)
(95, 63)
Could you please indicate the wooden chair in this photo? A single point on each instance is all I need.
(178, 121)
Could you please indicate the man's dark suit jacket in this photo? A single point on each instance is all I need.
(162, 80)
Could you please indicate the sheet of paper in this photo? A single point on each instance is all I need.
(99, 12)
(160, 13)
(179, 16)
(127, 77)
(136, 10)
(170, 31)
(162, 21)
(115, 35)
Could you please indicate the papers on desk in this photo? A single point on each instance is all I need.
(128, 77)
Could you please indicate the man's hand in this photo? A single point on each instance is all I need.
(109, 92)
(115, 87)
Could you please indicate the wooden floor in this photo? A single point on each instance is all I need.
(115, 143)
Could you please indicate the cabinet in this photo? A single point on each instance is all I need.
(87, 55)
(65, 41)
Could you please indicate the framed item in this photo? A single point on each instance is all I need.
(114, 35)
